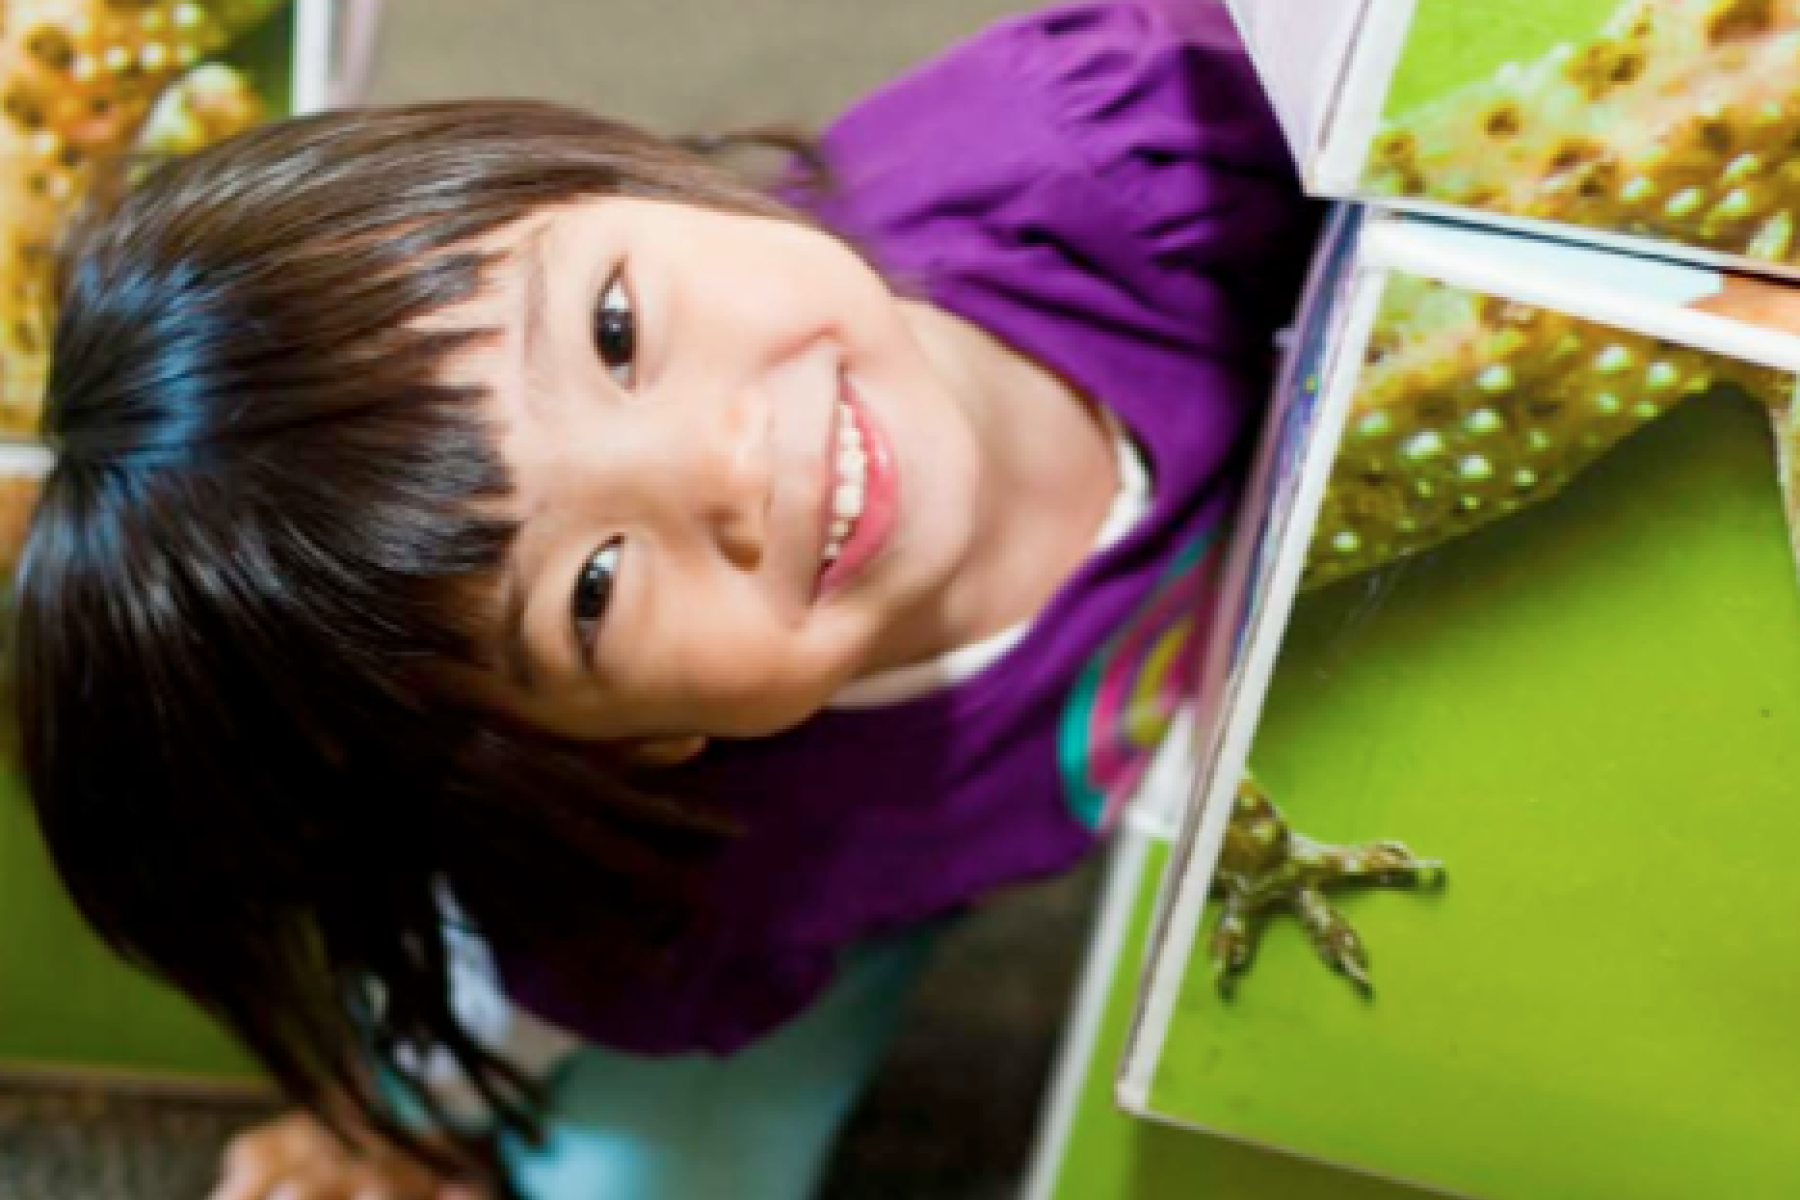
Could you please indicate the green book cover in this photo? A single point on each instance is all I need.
(1088, 1149)
(1538, 619)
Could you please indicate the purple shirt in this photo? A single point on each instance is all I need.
(1102, 187)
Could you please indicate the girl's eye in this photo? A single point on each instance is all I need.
(615, 332)
(593, 591)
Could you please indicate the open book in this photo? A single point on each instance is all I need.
(1517, 586)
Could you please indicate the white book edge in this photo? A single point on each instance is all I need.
(1128, 859)
(1222, 671)
(1605, 239)
(1362, 91)
(1153, 818)
(1191, 888)
(1644, 295)
(25, 460)
(1242, 590)
(1302, 75)
(315, 22)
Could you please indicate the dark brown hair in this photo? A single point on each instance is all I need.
(265, 543)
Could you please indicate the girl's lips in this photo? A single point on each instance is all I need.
(881, 496)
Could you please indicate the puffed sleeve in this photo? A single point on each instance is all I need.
(1115, 159)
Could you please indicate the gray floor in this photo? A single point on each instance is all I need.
(954, 1113)
(672, 65)
(67, 1143)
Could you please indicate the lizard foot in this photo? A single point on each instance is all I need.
(1265, 866)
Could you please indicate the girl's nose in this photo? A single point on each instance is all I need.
(735, 477)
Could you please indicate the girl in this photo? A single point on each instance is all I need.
(482, 529)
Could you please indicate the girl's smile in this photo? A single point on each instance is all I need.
(862, 494)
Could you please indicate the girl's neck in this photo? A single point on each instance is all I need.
(1050, 474)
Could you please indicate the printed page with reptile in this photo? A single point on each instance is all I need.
(1535, 615)
(1662, 126)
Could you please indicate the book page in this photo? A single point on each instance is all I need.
(1299, 47)
(1549, 636)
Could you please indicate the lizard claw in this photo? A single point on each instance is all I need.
(1233, 945)
(1265, 865)
(1333, 938)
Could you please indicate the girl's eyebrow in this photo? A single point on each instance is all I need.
(515, 656)
(535, 303)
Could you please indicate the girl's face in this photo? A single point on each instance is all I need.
(742, 476)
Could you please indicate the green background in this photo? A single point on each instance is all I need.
(265, 55)
(1591, 712)
(65, 1001)
(1453, 42)
(1111, 1156)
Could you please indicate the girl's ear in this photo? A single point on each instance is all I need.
(664, 751)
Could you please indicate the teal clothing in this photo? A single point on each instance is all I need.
(758, 1125)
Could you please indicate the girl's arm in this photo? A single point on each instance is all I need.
(297, 1158)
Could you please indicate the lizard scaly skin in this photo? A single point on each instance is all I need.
(78, 80)
(1677, 121)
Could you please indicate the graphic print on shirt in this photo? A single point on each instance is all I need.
(1131, 690)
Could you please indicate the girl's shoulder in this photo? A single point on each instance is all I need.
(1129, 138)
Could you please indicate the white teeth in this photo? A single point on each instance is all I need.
(852, 465)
